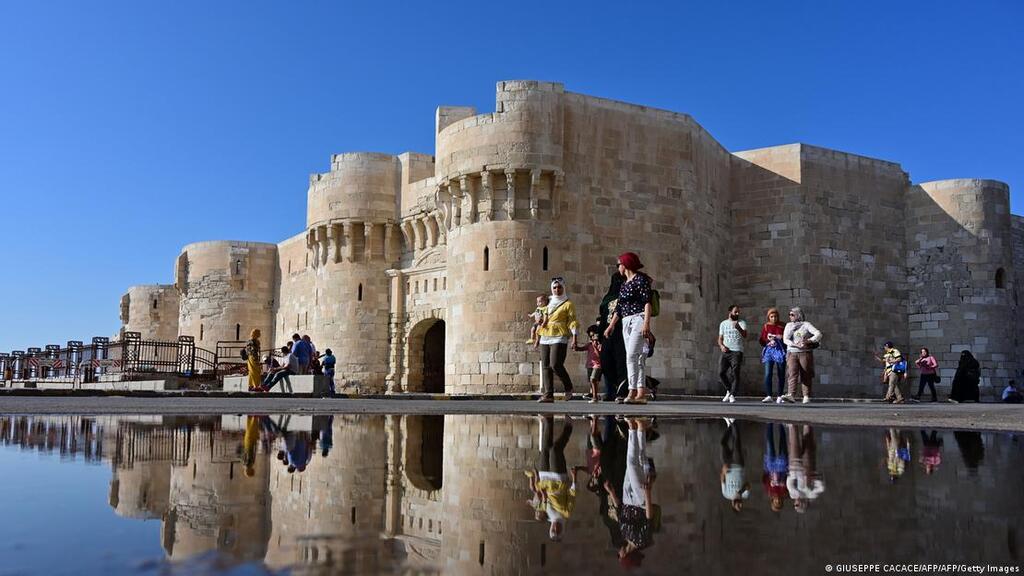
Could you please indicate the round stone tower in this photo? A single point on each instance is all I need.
(352, 239)
(151, 310)
(963, 295)
(499, 179)
(226, 288)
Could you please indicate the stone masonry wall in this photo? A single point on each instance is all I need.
(227, 289)
(152, 311)
(960, 240)
(822, 230)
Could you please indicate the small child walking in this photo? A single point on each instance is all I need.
(539, 317)
(593, 350)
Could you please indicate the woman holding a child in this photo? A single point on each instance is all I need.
(556, 332)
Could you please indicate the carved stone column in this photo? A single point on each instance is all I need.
(455, 197)
(332, 244)
(468, 201)
(510, 203)
(368, 240)
(535, 180)
(349, 252)
(429, 229)
(421, 233)
(310, 248)
(396, 325)
(442, 236)
(487, 193)
(389, 233)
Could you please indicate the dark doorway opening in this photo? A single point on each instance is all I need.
(433, 358)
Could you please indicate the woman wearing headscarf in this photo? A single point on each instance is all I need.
(252, 360)
(965, 381)
(556, 333)
(800, 338)
(633, 308)
(613, 348)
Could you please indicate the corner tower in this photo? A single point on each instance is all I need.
(227, 289)
(152, 311)
(340, 296)
(499, 176)
(961, 276)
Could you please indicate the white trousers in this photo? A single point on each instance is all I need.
(636, 455)
(632, 333)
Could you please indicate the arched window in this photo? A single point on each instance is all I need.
(200, 331)
(238, 331)
(360, 292)
(487, 258)
(238, 266)
(1000, 278)
(154, 304)
(545, 258)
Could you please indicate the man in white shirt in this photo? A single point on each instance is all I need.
(731, 333)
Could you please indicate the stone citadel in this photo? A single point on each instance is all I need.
(419, 271)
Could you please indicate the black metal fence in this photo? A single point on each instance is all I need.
(128, 358)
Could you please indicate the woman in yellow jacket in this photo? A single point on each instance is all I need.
(252, 361)
(556, 334)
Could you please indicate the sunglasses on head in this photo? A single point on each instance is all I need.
(558, 279)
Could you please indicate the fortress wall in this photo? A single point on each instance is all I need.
(151, 310)
(960, 238)
(227, 288)
(1017, 230)
(855, 274)
(416, 169)
(767, 209)
(655, 183)
(338, 499)
(213, 505)
(822, 230)
(295, 291)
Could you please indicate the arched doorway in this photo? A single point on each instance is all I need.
(425, 357)
(433, 359)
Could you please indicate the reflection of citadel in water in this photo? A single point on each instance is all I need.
(449, 492)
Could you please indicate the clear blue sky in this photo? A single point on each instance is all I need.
(129, 129)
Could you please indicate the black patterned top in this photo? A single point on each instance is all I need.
(634, 295)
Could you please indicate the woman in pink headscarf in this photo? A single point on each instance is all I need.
(634, 310)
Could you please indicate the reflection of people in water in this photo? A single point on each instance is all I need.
(636, 514)
(609, 474)
(776, 466)
(249, 443)
(972, 449)
(735, 487)
(327, 437)
(897, 453)
(297, 452)
(931, 452)
(803, 481)
(554, 488)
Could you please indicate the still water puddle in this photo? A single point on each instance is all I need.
(489, 494)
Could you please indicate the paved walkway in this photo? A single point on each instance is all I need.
(985, 416)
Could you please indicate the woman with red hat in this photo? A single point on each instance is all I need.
(634, 310)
